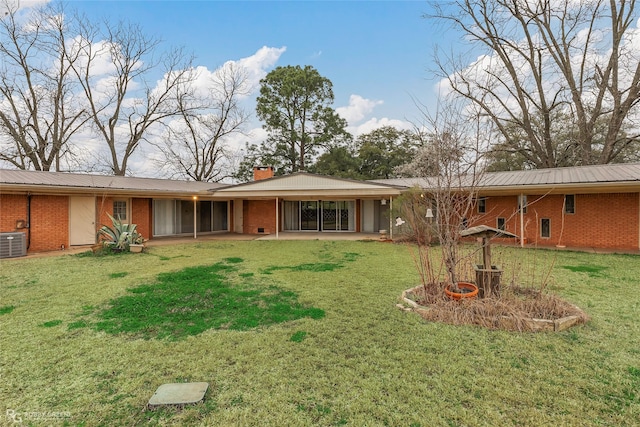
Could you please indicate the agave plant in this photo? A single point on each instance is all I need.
(120, 235)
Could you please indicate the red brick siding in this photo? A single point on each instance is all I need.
(49, 226)
(605, 221)
(139, 210)
(600, 220)
(259, 214)
(13, 207)
(104, 206)
(260, 173)
(141, 215)
(49, 223)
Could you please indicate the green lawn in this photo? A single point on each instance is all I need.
(358, 361)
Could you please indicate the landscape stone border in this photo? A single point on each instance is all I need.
(505, 322)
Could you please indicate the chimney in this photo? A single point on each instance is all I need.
(262, 172)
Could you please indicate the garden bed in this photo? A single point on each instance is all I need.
(517, 309)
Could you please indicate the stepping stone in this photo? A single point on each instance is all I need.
(178, 394)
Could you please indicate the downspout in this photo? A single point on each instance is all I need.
(521, 204)
(28, 226)
(277, 219)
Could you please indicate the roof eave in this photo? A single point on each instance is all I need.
(119, 192)
(580, 188)
(284, 194)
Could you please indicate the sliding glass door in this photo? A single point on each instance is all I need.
(338, 215)
(309, 216)
(314, 215)
(173, 217)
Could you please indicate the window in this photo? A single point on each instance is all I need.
(522, 203)
(482, 205)
(569, 203)
(120, 210)
(501, 224)
(545, 228)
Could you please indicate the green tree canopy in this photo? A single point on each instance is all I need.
(338, 161)
(383, 150)
(295, 105)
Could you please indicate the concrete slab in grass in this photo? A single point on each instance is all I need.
(178, 394)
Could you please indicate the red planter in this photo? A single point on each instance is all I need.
(469, 291)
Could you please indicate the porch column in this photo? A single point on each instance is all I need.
(391, 217)
(195, 216)
(277, 219)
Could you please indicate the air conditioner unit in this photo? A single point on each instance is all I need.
(13, 245)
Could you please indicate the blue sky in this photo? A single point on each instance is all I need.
(379, 51)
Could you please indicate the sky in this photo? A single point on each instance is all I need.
(376, 53)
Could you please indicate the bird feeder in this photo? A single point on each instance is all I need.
(487, 275)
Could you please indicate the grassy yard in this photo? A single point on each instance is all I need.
(347, 356)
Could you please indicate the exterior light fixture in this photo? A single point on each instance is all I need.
(383, 202)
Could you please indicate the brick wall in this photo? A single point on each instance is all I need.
(49, 223)
(104, 205)
(141, 215)
(139, 210)
(49, 226)
(600, 220)
(13, 207)
(259, 214)
(262, 172)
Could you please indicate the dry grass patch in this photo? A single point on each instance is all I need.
(514, 310)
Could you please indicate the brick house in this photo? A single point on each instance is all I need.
(59, 210)
(579, 207)
(589, 206)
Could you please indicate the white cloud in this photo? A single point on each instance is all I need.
(360, 108)
(5, 6)
(257, 64)
(254, 68)
(357, 109)
(375, 123)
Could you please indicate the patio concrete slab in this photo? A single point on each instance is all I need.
(179, 394)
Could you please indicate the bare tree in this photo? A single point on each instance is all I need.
(38, 111)
(548, 59)
(450, 163)
(117, 78)
(196, 147)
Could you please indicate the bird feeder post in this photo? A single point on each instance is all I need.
(486, 252)
(487, 277)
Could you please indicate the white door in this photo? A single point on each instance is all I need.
(82, 220)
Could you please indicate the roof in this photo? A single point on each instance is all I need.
(579, 179)
(63, 182)
(485, 231)
(304, 184)
(615, 177)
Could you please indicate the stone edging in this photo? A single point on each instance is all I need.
(535, 325)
